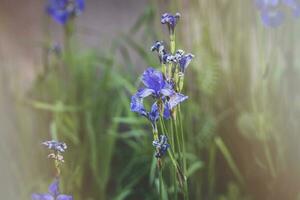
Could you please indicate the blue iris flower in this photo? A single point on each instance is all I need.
(170, 20)
(62, 10)
(137, 106)
(53, 193)
(184, 61)
(161, 90)
(270, 13)
(161, 146)
(155, 84)
(159, 47)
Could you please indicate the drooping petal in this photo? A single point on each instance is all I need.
(176, 99)
(153, 115)
(137, 105)
(167, 110)
(64, 197)
(272, 18)
(42, 197)
(144, 92)
(54, 188)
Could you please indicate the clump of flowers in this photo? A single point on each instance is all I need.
(272, 11)
(62, 11)
(163, 87)
(57, 149)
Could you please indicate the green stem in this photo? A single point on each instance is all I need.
(172, 43)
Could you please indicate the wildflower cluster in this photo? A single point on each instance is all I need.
(164, 86)
(63, 10)
(272, 11)
(57, 149)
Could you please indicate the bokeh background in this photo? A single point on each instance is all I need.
(241, 120)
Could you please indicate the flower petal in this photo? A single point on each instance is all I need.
(64, 197)
(176, 99)
(144, 92)
(42, 197)
(54, 188)
(154, 113)
(272, 18)
(137, 105)
(153, 79)
(167, 110)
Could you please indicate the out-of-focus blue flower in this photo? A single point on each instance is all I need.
(55, 145)
(270, 12)
(272, 18)
(294, 5)
(170, 20)
(53, 193)
(155, 84)
(161, 146)
(137, 106)
(264, 4)
(62, 10)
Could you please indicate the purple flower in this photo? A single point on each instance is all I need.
(272, 18)
(62, 10)
(170, 20)
(270, 12)
(155, 83)
(161, 146)
(56, 146)
(294, 5)
(184, 61)
(53, 193)
(137, 106)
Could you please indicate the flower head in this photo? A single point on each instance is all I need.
(55, 145)
(170, 20)
(161, 146)
(184, 61)
(155, 84)
(159, 47)
(270, 13)
(53, 193)
(62, 10)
